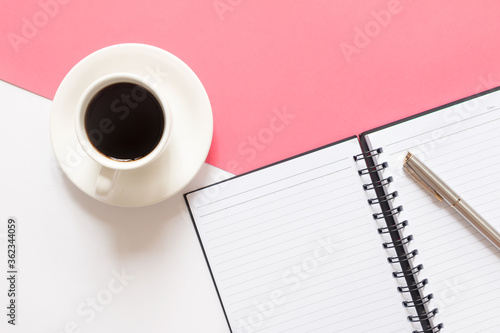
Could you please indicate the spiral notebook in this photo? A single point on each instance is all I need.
(341, 239)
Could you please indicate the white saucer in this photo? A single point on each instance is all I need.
(192, 124)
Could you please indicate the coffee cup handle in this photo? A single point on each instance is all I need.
(105, 181)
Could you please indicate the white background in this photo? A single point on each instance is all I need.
(71, 247)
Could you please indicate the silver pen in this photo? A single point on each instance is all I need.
(440, 190)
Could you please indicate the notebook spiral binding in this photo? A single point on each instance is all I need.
(408, 272)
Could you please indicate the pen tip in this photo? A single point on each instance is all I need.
(407, 157)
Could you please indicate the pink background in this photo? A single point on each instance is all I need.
(261, 59)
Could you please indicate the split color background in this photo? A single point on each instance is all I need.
(283, 77)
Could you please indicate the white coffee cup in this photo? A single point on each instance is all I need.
(110, 168)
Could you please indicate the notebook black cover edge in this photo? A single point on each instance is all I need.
(206, 260)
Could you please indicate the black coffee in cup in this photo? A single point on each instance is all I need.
(124, 121)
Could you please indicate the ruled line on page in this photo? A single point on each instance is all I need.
(273, 237)
(323, 290)
(289, 230)
(273, 192)
(271, 264)
(446, 144)
(306, 243)
(276, 280)
(460, 157)
(304, 307)
(359, 278)
(327, 316)
(371, 330)
(233, 223)
(314, 294)
(483, 194)
(301, 236)
(471, 314)
(484, 275)
(277, 181)
(442, 127)
(408, 182)
(446, 214)
(220, 219)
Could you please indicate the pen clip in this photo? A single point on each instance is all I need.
(407, 166)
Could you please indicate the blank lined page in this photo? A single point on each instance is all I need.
(461, 144)
(293, 248)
